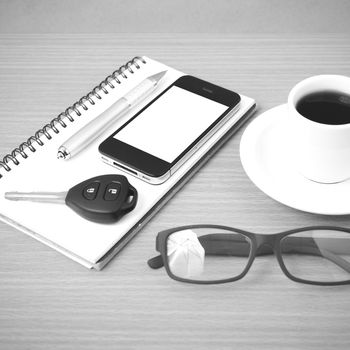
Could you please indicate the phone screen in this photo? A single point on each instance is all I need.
(170, 124)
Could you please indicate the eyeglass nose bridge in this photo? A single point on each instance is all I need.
(265, 244)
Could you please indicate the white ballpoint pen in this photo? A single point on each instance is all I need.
(100, 124)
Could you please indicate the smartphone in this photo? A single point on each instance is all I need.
(156, 141)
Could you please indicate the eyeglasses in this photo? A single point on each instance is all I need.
(209, 254)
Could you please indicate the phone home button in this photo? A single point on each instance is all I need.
(112, 191)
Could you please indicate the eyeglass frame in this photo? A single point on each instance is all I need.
(257, 240)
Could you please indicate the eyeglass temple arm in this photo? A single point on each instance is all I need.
(336, 259)
(211, 247)
(156, 262)
(217, 244)
(213, 244)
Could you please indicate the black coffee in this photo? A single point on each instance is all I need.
(325, 107)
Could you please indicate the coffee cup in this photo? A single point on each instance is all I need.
(318, 128)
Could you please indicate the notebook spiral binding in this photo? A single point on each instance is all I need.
(115, 77)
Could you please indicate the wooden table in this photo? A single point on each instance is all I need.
(48, 301)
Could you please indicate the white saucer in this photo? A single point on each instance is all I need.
(265, 159)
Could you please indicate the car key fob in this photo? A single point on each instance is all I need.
(103, 199)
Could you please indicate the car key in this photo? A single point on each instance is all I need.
(103, 199)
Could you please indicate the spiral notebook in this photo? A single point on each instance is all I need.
(33, 166)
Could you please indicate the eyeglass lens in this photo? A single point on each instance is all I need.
(207, 254)
(317, 255)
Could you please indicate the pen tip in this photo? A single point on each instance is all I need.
(157, 77)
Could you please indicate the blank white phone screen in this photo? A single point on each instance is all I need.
(170, 124)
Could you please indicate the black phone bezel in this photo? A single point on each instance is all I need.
(148, 164)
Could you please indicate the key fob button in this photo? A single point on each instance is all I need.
(112, 191)
(90, 191)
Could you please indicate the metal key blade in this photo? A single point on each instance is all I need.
(42, 197)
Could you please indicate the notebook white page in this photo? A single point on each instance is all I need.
(57, 225)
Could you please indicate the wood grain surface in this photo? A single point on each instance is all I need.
(50, 302)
